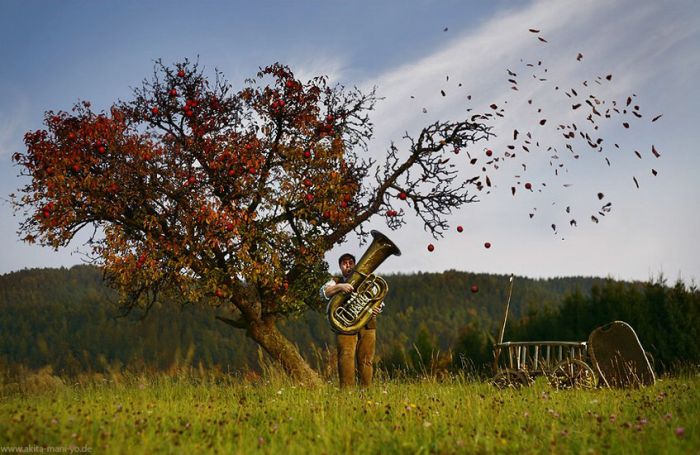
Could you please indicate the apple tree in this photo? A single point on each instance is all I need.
(194, 192)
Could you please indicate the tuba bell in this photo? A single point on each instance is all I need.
(348, 313)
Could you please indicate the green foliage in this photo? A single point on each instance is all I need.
(432, 324)
(201, 414)
(666, 319)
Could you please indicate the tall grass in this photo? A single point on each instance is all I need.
(191, 411)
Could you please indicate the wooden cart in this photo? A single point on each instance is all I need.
(565, 364)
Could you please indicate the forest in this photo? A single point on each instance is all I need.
(69, 320)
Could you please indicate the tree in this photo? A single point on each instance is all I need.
(201, 194)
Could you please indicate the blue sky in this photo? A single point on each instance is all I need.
(55, 53)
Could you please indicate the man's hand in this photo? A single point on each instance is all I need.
(345, 287)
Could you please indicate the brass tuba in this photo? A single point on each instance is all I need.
(348, 313)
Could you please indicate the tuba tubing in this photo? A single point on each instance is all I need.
(348, 313)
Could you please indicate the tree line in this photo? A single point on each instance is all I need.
(69, 319)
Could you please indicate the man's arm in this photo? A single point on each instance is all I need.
(332, 288)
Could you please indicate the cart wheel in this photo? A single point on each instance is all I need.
(510, 379)
(573, 373)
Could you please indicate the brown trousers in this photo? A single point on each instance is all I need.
(356, 350)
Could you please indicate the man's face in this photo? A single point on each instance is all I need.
(346, 266)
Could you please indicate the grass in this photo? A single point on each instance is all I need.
(190, 414)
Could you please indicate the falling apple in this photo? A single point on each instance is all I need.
(460, 229)
(487, 245)
(431, 247)
(475, 288)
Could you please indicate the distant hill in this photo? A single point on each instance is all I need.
(67, 318)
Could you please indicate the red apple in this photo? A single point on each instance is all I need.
(101, 149)
(460, 229)
(173, 92)
(309, 197)
(489, 152)
(403, 196)
(192, 179)
(231, 172)
(307, 154)
(431, 247)
(308, 182)
(181, 73)
(487, 245)
(329, 118)
(475, 288)
(155, 110)
(528, 186)
(289, 84)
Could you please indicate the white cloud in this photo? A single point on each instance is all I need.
(640, 44)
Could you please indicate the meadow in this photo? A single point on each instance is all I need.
(201, 413)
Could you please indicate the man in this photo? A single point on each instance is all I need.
(357, 348)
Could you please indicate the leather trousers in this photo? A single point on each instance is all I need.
(356, 352)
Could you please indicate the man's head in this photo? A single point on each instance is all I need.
(346, 263)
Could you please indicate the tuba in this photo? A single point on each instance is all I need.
(348, 313)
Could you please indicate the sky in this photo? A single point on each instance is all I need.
(56, 53)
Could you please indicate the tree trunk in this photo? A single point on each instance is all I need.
(267, 335)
